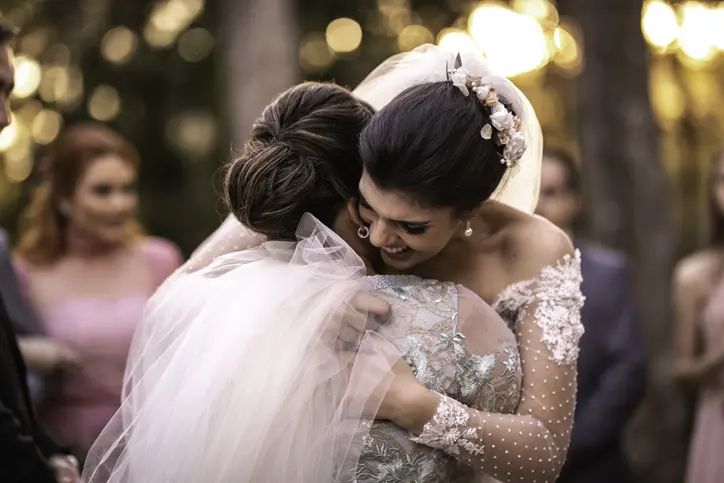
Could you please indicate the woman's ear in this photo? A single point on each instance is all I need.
(354, 213)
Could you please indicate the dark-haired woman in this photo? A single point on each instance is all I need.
(88, 269)
(699, 301)
(236, 373)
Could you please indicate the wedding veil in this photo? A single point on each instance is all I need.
(242, 378)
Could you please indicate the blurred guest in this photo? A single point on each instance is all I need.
(28, 454)
(611, 367)
(88, 269)
(699, 338)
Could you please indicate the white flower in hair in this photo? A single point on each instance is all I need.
(482, 92)
(502, 119)
(459, 78)
(515, 148)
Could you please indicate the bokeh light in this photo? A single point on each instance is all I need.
(343, 35)
(513, 43)
(659, 23)
(456, 40)
(27, 77)
(118, 45)
(697, 28)
(46, 126)
(314, 53)
(195, 44)
(193, 133)
(413, 36)
(104, 103)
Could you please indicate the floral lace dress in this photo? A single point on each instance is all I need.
(498, 419)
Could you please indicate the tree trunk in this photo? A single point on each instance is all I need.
(259, 58)
(627, 200)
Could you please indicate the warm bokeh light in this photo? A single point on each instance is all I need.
(46, 126)
(314, 53)
(659, 23)
(27, 77)
(513, 43)
(34, 43)
(542, 10)
(568, 55)
(697, 32)
(718, 19)
(193, 133)
(195, 45)
(413, 36)
(118, 45)
(56, 82)
(168, 19)
(104, 103)
(667, 99)
(455, 40)
(343, 35)
(9, 135)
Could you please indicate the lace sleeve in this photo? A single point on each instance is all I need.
(531, 444)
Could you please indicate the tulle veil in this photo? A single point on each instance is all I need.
(237, 375)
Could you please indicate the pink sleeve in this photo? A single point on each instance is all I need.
(163, 258)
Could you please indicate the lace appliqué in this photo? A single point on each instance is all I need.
(448, 430)
(557, 291)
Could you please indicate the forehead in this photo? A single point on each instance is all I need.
(108, 168)
(396, 206)
(552, 171)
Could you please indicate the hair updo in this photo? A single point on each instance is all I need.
(302, 156)
(426, 144)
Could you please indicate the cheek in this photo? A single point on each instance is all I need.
(427, 243)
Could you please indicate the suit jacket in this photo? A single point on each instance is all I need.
(25, 446)
(611, 371)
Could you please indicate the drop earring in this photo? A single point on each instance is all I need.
(363, 232)
(468, 229)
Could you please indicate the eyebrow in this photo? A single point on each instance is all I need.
(416, 224)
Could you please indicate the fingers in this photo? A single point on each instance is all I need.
(368, 303)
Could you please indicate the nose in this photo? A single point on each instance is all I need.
(381, 234)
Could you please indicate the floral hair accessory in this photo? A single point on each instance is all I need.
(505, 125)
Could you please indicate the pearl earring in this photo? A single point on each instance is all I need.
(363, 232)
(468, 229)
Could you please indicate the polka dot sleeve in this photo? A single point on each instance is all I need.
(531, 444)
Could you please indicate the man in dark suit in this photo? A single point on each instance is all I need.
(27, 454)
(611, 366)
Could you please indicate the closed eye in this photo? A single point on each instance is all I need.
(413, 229)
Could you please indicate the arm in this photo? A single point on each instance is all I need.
(689, 294)
(531, 444)
(621, 388)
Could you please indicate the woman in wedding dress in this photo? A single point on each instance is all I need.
(432, 395)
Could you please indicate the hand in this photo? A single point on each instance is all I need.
(404, 390)
(364, 312)
(45, 355)
(66, 471)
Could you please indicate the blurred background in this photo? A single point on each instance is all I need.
(634, 89)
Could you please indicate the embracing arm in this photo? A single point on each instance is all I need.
(530, 444)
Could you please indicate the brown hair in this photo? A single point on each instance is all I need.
(42, 226)
(301, 157)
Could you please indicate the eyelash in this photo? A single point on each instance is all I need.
(410, 230)
(414, 230)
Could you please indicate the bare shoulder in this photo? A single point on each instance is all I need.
(533, 243)
(694, 273)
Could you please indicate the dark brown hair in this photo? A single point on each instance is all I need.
(42, 226)
(573, 173)
(301, 157)
(426, 143)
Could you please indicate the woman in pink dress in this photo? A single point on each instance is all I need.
(88, 269)
(699, 299)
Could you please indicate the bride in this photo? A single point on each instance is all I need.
(454, 412)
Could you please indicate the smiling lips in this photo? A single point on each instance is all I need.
(395, 250)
